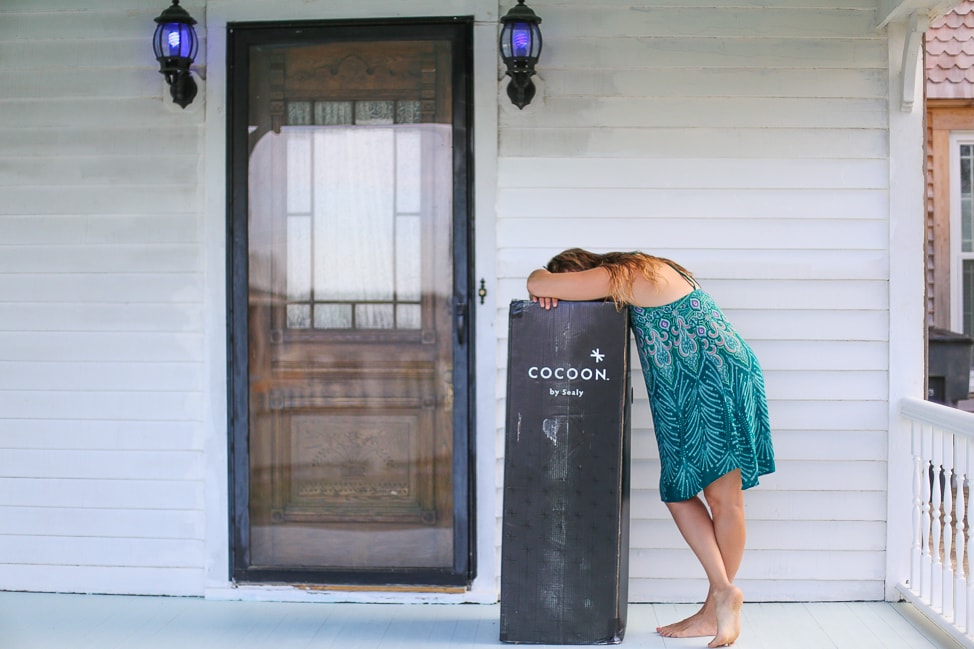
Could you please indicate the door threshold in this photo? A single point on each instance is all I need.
(346, 588)
(353, 594)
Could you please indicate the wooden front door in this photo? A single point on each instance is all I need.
(357, 417)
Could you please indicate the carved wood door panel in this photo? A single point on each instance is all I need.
(353, 319)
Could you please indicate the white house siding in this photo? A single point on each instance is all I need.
(101, 289)
(113, 439)
(750, 143)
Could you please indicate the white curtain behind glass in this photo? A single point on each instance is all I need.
(356, 200)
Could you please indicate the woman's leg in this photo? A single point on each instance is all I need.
(717, 538)
(703, 622)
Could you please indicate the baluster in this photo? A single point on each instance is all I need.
(947, 497)
(968, 466)
(961, 618)
(926, 444)
(968, 581)
(936, 512)
(916, 554)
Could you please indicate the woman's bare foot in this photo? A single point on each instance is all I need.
(729, 603)
(701, 624)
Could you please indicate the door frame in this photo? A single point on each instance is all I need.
(240, 36)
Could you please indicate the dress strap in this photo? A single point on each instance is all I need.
(692, 282)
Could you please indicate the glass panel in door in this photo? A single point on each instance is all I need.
(351, 307)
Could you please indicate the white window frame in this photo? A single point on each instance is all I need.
(957, 257)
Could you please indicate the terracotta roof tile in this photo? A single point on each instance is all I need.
(949, 56)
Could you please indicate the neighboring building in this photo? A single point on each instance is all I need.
(949, 100)
(949, 64)
(210, 386)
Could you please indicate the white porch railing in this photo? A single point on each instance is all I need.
(940, 582)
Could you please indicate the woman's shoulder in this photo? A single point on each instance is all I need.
(667, 287)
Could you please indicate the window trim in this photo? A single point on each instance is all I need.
(957, 256)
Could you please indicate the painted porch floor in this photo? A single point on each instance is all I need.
(50, 621)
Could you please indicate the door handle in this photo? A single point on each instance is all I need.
(460, 314)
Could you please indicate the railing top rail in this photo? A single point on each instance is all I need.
(956, 421)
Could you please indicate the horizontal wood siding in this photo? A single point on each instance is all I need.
(748, 140)
(101, 320)
(750, 143)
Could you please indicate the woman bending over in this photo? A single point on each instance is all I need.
(710, 414)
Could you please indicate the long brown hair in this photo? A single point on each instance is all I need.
(622, 268)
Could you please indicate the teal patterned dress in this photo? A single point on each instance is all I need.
(706, 392)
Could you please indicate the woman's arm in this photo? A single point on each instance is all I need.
(547, 288)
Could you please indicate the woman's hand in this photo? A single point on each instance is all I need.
(545, 302)
(534, 280)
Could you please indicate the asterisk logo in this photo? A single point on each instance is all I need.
(597, 355)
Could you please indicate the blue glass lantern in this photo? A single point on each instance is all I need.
(175, 45)
(520, 44)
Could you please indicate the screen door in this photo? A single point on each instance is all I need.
(351, 316)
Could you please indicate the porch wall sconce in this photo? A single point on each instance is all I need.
(520, 44)
(175, 44)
